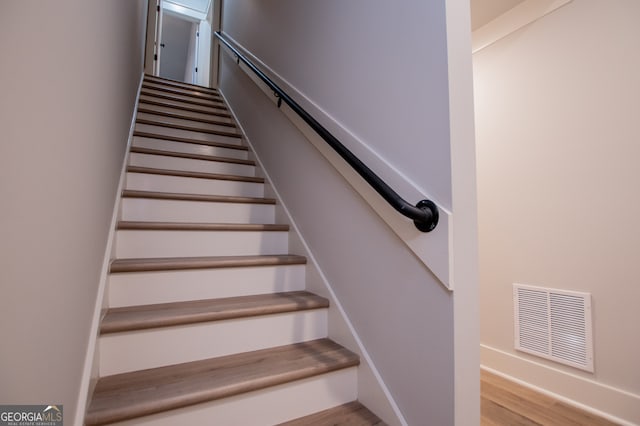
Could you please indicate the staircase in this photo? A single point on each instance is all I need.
(208, 320)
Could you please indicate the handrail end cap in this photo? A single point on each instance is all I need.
(431, 209)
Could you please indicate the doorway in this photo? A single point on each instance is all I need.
(181, 31)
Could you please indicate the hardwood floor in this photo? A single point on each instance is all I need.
(506, 403)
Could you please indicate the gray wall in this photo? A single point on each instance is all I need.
(353, 61)
(380, 70)
(69, 78)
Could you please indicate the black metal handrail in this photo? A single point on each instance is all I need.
(424, 214)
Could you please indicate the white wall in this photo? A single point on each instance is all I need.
(70, 74)
(557, 137)
(381, 75)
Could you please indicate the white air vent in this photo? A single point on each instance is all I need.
(554, 324)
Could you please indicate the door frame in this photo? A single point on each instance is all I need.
(154, 35)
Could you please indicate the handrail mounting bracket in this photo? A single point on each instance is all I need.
(429, 207)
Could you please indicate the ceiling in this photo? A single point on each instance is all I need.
(482, 11)
(201, 6)
(485, 11)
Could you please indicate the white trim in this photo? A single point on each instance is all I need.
(464, 225)
(523, 14)
(183, 12)
(312, 260)
(216, 16)
(89, 371)
(432, 249)
(609, 402)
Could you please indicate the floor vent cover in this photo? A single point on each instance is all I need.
(554, 324)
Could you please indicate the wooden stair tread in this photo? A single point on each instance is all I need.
(188, 140)
(199, 175)
(167, 82)
(170, 82)
(188, 128)
(180, 313)
(194, 226)
(180, 93)
(186, 117)
(140, 393)
(187, 108)
(196, 94)
(203, 262)
(351, 414)
(142, 150)
(131, 193)
(168, 97)
(129, 395)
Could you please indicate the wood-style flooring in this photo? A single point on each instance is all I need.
(506, 403)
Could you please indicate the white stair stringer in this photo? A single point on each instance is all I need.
(269, 406)
(155, 347)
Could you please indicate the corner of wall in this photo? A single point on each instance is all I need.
(90, 369)
(582, 392)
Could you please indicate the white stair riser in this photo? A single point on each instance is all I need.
(143, 209)
(153, 243)
(168, 131)
(186, 122)
(146, 288)
(188, 185)
(179, 96)
(178, 104)
(190, 165)
(189, 148)
(182, 90)
(206, 116)
(138, 350)
(268, 406)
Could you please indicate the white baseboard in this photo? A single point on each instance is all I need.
(603, 400)
(90, 368)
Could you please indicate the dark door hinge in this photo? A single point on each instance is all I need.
(196, 69)
(155, 57)
(158, 8)
(197, 34)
